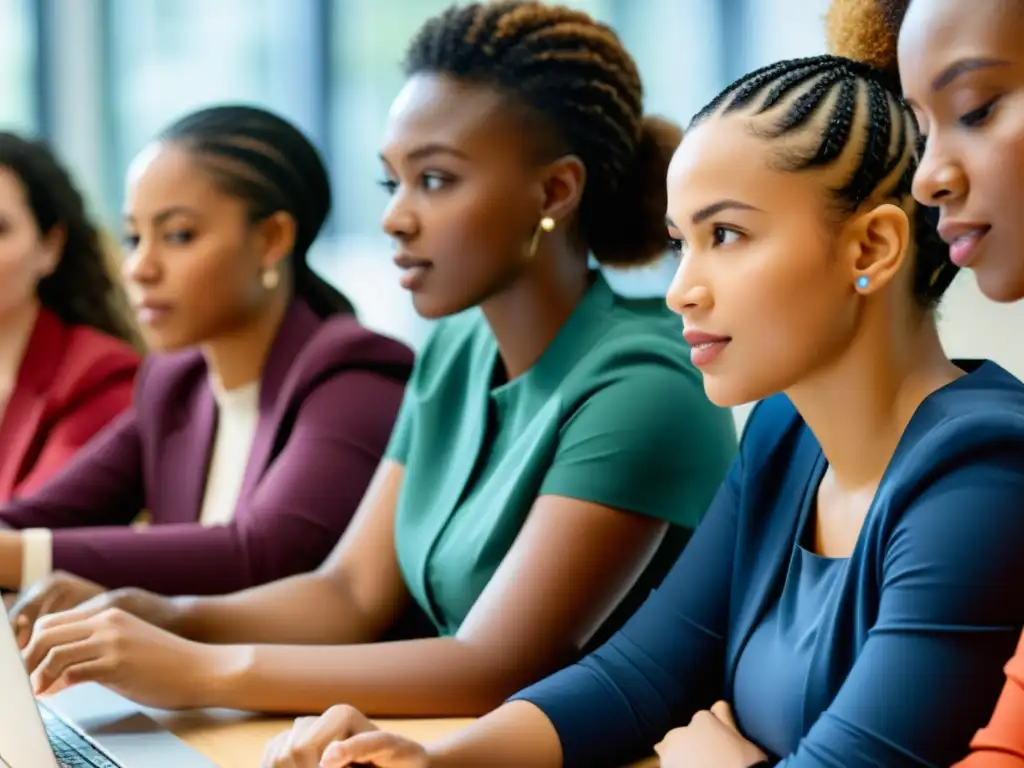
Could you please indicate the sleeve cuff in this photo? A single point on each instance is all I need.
(36, 555)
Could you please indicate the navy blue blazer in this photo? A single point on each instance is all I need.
(908, 662)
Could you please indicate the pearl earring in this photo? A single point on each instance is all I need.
(271, 279)
(862, 282)
(547, 224)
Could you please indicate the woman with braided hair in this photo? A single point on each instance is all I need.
(963, 71)
(836, 606)
(555, 447)
(257, 423)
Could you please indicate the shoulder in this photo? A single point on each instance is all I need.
(639, 349)
(978, 419)
(341, 344)
(92, 362)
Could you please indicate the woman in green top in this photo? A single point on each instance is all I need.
(555, 446)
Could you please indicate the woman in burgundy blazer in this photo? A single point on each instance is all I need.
(220, 214)
(66, 360)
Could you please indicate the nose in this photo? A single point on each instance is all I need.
(689, 290)
(940, 179)
(399, 220)
(141, 264)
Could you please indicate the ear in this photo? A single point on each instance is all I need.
(53, 243)
(876, 246)
(562, 187)
(277, 239)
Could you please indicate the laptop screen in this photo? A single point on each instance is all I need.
(23, 740)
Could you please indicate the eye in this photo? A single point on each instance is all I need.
(676, 245)
(388, 185)
(725, 236)
(432, 181)
(977, 116)
(179, 236)
(130, 242)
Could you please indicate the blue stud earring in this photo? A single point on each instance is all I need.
(862, 282)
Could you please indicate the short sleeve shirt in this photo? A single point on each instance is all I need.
(611, 413)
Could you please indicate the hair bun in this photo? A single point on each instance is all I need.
(862, 30)
(628, 230)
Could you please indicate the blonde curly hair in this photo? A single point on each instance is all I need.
(865, 30)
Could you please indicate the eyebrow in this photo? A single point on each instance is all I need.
(962, 67)
(722, 205)
(429, 150)
(165, 214)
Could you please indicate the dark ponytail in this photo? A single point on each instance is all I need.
(266, 161)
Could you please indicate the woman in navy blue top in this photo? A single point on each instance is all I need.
(856, 584)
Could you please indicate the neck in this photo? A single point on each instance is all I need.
(237, 358)
(16, 328)
(526, 317)
(859, 406)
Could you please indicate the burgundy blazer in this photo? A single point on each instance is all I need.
(329, 397)
(72, 382)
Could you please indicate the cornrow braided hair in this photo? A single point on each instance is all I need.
(574, 73)
(267, 162)
(838, 103)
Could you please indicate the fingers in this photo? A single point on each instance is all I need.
(377, 748)
(67, 665)
(49, 635)
(304, 744)
(723, 712)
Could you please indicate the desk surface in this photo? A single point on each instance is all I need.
(233, 740)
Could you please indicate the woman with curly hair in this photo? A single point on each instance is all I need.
(66, 357)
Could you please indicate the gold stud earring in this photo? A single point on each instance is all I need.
(271, 279)
(547, 224)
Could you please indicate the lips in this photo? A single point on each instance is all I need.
(964, 240)
(705, 347)
(414, 270)
(151, 312)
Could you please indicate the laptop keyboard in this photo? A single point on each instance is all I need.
(72, 750)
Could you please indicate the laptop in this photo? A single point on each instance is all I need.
(86, 726)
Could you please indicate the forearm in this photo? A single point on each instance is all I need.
(438, 677)
(512, 736)
(308, 609)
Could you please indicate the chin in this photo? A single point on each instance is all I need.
(1003, 283)
(727, 393)
(157, 341)
(434, 308)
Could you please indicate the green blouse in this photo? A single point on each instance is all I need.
(612, 413)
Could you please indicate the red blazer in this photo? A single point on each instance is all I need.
(1001, 743)
(329, 397)
(72, 382)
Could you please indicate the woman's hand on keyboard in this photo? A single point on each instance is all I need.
(339, 738)
(59, 592)
(138, 660)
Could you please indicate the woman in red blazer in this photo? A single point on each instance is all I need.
(253, 436)
(66, 361)
(962, 68)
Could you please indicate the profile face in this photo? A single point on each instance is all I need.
(463, 185)
(26, 254)
(963, 72)
(191, 260)
(762, 300)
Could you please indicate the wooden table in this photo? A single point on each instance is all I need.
(235, 740)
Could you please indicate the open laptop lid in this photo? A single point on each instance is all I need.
(23, 740)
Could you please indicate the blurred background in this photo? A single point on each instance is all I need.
(98, 78)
